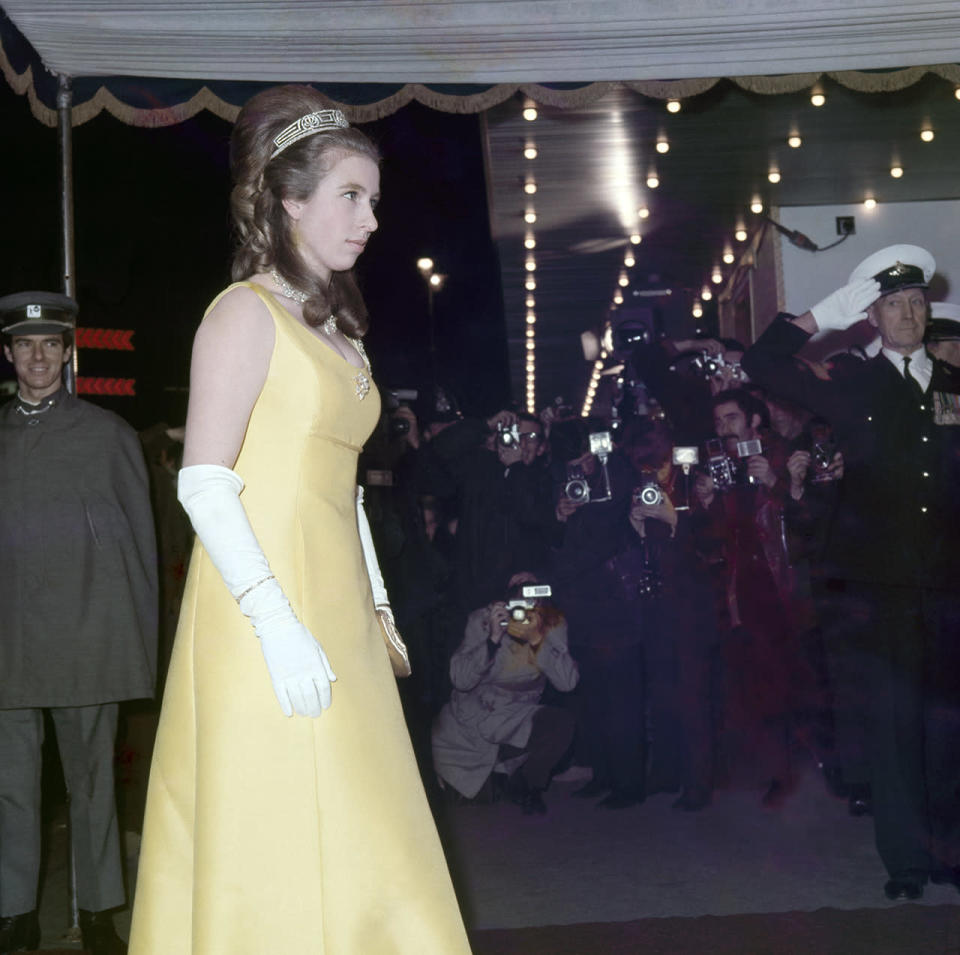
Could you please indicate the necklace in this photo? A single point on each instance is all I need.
(287, 290)
(329, 326)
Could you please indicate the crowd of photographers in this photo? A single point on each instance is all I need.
(714, 586)
(678, 633)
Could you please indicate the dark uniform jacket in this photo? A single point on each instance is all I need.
(898, 517)
(78, 569)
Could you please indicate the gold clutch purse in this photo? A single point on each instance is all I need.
(396, 648)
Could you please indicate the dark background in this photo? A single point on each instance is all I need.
(153, 247)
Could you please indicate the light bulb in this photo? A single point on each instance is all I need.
(530, 217)
(530, 265)
(618, 297)
(643, 212)
(530, 114)
(531, 345)
(817, 98)
(530, 284)
(663, 146)
(629, 261)
(896, 171)
(531, 317)
(870, 203)
(697, 310)
(530, 302)
(623, 281)
(673, 106)
(728, 256)
(741, 234)
(530, 151)
(653, 181)
(435, 280)
(529, 242)
(794, 141)
(425, 265)
(756, 205)
(926, 134)
(530, 187)
(531, 332)
(716, 277)
(706, 294)
(774, 174)
(635, 238)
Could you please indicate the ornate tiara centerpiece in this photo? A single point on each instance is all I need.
(319, 122)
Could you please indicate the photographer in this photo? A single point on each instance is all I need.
(596, 590)
(685, 395)
(510, 651)
(740, 500)
(678, 619)
(505, 496)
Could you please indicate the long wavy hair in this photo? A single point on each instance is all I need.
(264, 231)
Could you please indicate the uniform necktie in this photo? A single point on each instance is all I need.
(914, 384)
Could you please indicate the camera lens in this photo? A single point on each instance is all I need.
(650, 495)
(576, 490)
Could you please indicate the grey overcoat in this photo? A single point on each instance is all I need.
(78, 569)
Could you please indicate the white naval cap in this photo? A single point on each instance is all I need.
(897, 267)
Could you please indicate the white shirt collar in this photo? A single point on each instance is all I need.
(921, 365)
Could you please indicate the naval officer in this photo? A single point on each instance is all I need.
(894, 548)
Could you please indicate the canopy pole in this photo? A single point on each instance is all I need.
(68, 259)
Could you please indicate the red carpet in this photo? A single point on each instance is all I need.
(899, 930)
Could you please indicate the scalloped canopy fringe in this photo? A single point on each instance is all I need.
(474, 102)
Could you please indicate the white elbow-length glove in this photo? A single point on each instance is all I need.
(846, 306)
(298, 667)
(400, 657)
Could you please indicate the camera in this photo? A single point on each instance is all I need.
(508, 436)
(399, 398)
(577, 488)
(821, 457)
(521, 608)
(727, 471)
(712, 366)
(648, 494)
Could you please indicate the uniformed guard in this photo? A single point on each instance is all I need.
(78, 592)
(894, 548)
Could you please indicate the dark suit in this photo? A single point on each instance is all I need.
(895, 545)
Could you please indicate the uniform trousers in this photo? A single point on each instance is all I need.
(914, 723)
(85, 739)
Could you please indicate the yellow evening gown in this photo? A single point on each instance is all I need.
(273, 836)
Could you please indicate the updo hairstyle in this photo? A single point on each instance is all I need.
(264, 229)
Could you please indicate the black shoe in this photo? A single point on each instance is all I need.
(907, 887)
(693, 799)
(99, 935)
(621, 799)
(532, 803)
(19, 933)
(591, 789)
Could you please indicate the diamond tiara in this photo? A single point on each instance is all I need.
(318, 122)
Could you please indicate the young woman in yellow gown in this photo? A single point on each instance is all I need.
(285, 814)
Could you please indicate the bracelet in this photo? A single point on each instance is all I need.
(262, 580)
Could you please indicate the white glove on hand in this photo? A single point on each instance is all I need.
(846, 306)
(299, 669)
